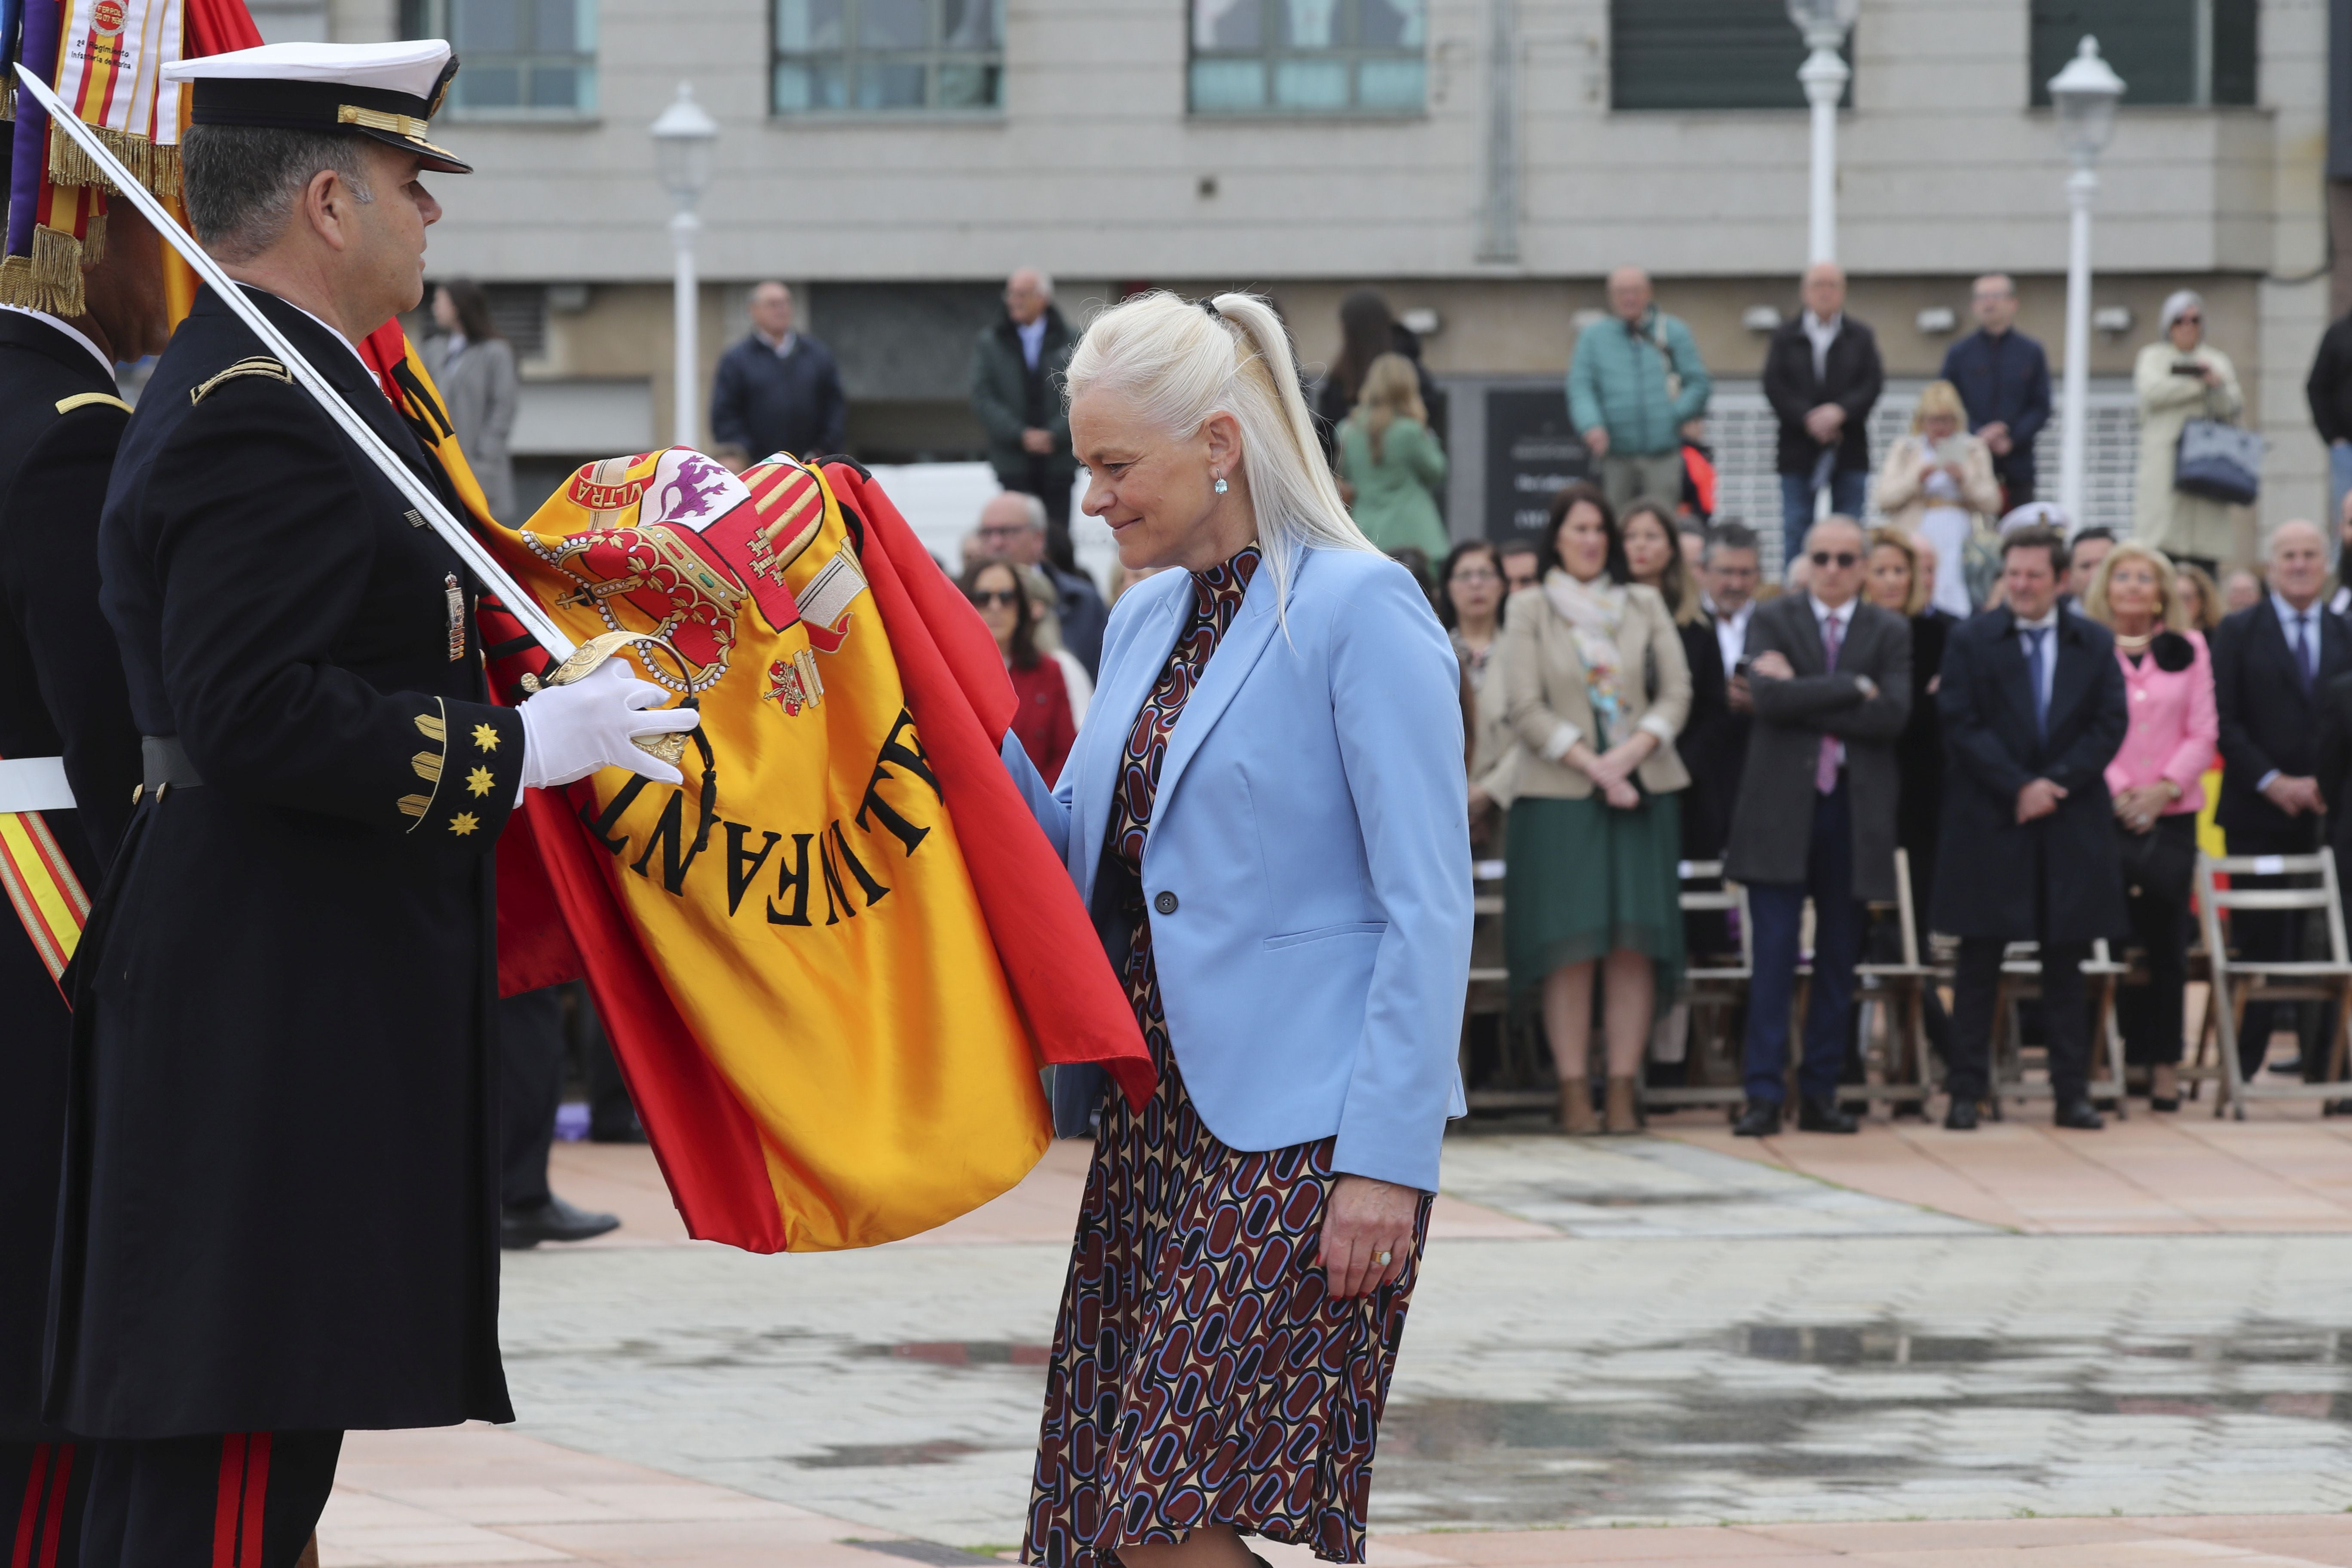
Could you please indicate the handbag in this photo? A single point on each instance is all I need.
(2218, 462)
(2156, 861)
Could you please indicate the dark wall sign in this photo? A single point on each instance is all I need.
(1531, 452)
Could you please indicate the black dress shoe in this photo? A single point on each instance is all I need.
(553, 1220)
(1760, 1120)
(1825, 1115)
(1961, 1117)
(2079, 1114)
(2288, 1067)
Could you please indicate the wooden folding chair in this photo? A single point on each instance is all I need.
(1714, 984)
(2237, 981)
(2020, 981)
(1903, 983)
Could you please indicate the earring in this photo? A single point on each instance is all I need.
(1221, 485)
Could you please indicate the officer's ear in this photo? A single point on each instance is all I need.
(330, 207)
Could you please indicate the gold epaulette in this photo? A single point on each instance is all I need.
(259, 364)
(84, 399)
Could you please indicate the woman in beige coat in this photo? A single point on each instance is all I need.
(1595, 689)
(1938, 483)
(2182, 377)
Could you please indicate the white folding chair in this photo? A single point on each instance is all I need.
(2237, 981)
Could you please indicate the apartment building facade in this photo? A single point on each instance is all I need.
(1484, 162)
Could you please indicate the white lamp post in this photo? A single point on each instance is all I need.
(683, 138)
(2085, 95)
(1825, 23)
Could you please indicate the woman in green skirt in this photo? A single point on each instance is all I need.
(1595, 689)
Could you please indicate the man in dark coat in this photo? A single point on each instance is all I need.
(2328, 391)
(68, 762)
(2032, 705)
(1714, 745)
(778, 390)
(1017, 365)
(2271, 662)
(2003, 379)
(1831, 680)
(1823, 377)
(279, 1217)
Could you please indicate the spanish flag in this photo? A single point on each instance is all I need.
(834, 960)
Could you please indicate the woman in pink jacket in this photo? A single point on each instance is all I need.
(2156, 782)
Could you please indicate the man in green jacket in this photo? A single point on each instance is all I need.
(1016, 392)
(1634, 381)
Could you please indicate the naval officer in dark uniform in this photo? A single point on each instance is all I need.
(68, 762)
(280, 1193)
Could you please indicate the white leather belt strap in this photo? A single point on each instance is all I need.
(35, 783)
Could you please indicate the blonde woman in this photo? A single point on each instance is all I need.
(2181, 377)
(1391, 462)
(2157, 781)
(1266, 807)
(1595, 687)
(1937, 482)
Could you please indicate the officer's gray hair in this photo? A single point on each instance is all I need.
(242, 182)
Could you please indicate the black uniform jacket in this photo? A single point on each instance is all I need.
(2269, 722)
(1992, 874)
(60, 694)
(1772, 825)
(281, 1206)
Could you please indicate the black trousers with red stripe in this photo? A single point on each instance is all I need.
(49, 1483)
(246, 1500)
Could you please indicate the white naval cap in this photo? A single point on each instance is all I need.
(386, 91)
(2036, 513)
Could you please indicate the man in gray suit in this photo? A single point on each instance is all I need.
(1831, 679)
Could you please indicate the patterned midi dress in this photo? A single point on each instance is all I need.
(1201, 1374)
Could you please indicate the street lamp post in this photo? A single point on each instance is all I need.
(1824, 23)
(683, 138)
(2085, 95)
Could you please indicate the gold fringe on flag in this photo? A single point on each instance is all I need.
(49, 279)
(8, 99)
(93, 240)
(69, 165)
(164, 171)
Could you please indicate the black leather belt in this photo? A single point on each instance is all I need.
(166, 764)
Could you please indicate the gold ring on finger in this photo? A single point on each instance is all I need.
(1382, 1260)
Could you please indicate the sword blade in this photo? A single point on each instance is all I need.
(454, 533)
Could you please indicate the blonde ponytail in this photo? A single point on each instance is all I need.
(1182, 364)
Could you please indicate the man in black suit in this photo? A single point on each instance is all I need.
(1714, 745)
(1823, 377)
(778, 390)
(2271, 662)
(1832, 684)
(2032, 704)
(68, 762)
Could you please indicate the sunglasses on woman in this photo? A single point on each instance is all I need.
(997, 598)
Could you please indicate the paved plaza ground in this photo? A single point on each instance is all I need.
(1910, 1348)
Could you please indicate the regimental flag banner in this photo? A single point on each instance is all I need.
(834, 960)
(41, 887)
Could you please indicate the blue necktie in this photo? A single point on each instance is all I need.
(2033, 667)
(2303, 649)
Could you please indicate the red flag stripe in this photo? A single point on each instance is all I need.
(54, 1516)
(228, 1500)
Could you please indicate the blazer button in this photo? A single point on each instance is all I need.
(1165, 903)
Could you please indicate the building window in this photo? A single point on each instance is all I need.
(1707, 54)
(2167, 51)
(518, 59)
(1308, 56)
(889, 55)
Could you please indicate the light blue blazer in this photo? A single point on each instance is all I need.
(1309, 865)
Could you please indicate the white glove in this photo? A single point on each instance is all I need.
(570, 731)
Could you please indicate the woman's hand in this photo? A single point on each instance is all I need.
(1621, 794)
(1365, 1222)
(1616, 764)
(2138, 807)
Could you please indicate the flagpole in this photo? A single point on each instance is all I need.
(419, 494)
